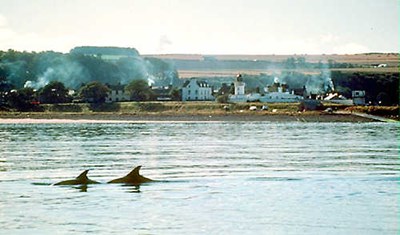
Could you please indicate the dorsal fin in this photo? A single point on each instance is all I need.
(83, 175)
(134, 172)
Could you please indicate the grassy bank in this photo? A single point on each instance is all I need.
(169, 108)
(196, 111)
(391, 112)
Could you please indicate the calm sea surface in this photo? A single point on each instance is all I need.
(213, 178)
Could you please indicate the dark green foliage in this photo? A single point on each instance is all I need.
(96, 69)
(22, 100)
(76, 68)
(223, 98)
(53, 93)
(94, 92)
(175, 94)
(17, 67)
(383, 87)
(139, 90)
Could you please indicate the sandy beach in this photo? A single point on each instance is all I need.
(15, 117)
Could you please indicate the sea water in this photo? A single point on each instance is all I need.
(212, 178)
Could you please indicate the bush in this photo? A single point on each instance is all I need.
(223, 99)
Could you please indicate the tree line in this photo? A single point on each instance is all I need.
(19, 69)
(28, 99)
(29, 78)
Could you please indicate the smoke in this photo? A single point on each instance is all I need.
(16, 71)
(41, 82)
(134, 68)
(162, 73)
(155, 71)
(68, 72)
(36, 70)
(150, 80)
(164, 43)
(314, 83)
(322, 83)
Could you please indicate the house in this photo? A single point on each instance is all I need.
(338, 99)
(162, 93)
(279, 93)
(358, 97)
(117, 93)
(196, 90)
(274, 93)
(280, 97)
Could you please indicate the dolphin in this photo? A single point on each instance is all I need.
(132, 178)
(81, 179)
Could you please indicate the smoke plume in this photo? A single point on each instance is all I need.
(36, 70)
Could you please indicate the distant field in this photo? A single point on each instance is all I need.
(234, 72)
(391, 59)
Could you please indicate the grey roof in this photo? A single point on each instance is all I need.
(199, 83)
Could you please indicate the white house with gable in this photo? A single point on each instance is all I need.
(117, 93)
(196, 90)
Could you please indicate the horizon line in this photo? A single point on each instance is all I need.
(212, 54)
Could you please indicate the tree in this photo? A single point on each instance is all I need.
(22, 100)
(175, 94)
(223, 98)
(225, 89)
(94, 92)
(53, 93)
(139, 90)
(383, 98)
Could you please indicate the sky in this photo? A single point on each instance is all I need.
(203, 26)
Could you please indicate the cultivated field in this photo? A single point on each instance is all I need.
(365, 60)
(234, 72)
(392, 59)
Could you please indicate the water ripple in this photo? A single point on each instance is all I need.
(242, 177)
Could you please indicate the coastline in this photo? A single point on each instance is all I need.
(20, 117)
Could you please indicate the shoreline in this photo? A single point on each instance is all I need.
(16, 117)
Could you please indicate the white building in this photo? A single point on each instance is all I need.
(116, 94)
(278, 95)
(358, 97)
(239, 85)
(239, 95)
(196, 90)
